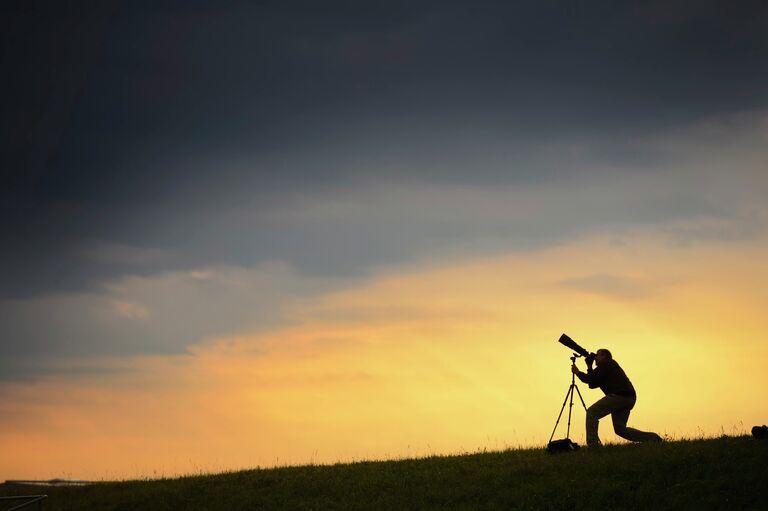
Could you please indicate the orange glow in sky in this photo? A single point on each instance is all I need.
(425, 360)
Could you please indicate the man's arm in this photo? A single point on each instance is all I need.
(593, 377)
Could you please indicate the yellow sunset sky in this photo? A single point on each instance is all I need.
(437, 359)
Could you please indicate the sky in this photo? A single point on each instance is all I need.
(257, 234)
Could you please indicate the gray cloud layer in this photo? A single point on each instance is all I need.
(133, 125)
(302, 145)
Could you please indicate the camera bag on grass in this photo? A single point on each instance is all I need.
(564, 445)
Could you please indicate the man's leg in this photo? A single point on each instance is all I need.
(620, 418)
(607, 405)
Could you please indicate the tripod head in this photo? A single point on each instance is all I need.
(574, 357)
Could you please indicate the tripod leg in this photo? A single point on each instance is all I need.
(561, 413)
(570, 409)
(582, 399)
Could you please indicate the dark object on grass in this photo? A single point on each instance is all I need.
(760, 432)
(564, 445)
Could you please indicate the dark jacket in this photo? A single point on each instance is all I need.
(610, 377)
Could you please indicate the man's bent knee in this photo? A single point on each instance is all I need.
(595, 413)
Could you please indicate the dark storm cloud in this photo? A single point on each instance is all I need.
(143, 124)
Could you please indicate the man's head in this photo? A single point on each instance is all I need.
(602, 355)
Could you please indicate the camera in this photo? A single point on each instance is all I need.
(570, 343)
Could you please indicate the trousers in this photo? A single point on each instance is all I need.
(618, 407)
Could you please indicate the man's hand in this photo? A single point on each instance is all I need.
(574, 369)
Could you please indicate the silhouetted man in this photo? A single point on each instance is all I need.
(619, 399)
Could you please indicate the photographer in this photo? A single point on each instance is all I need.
(619, 399)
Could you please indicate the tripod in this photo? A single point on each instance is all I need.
(569, 394)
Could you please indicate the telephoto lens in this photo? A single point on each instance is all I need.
(570, 343)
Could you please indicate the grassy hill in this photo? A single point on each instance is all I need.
(723, 473)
